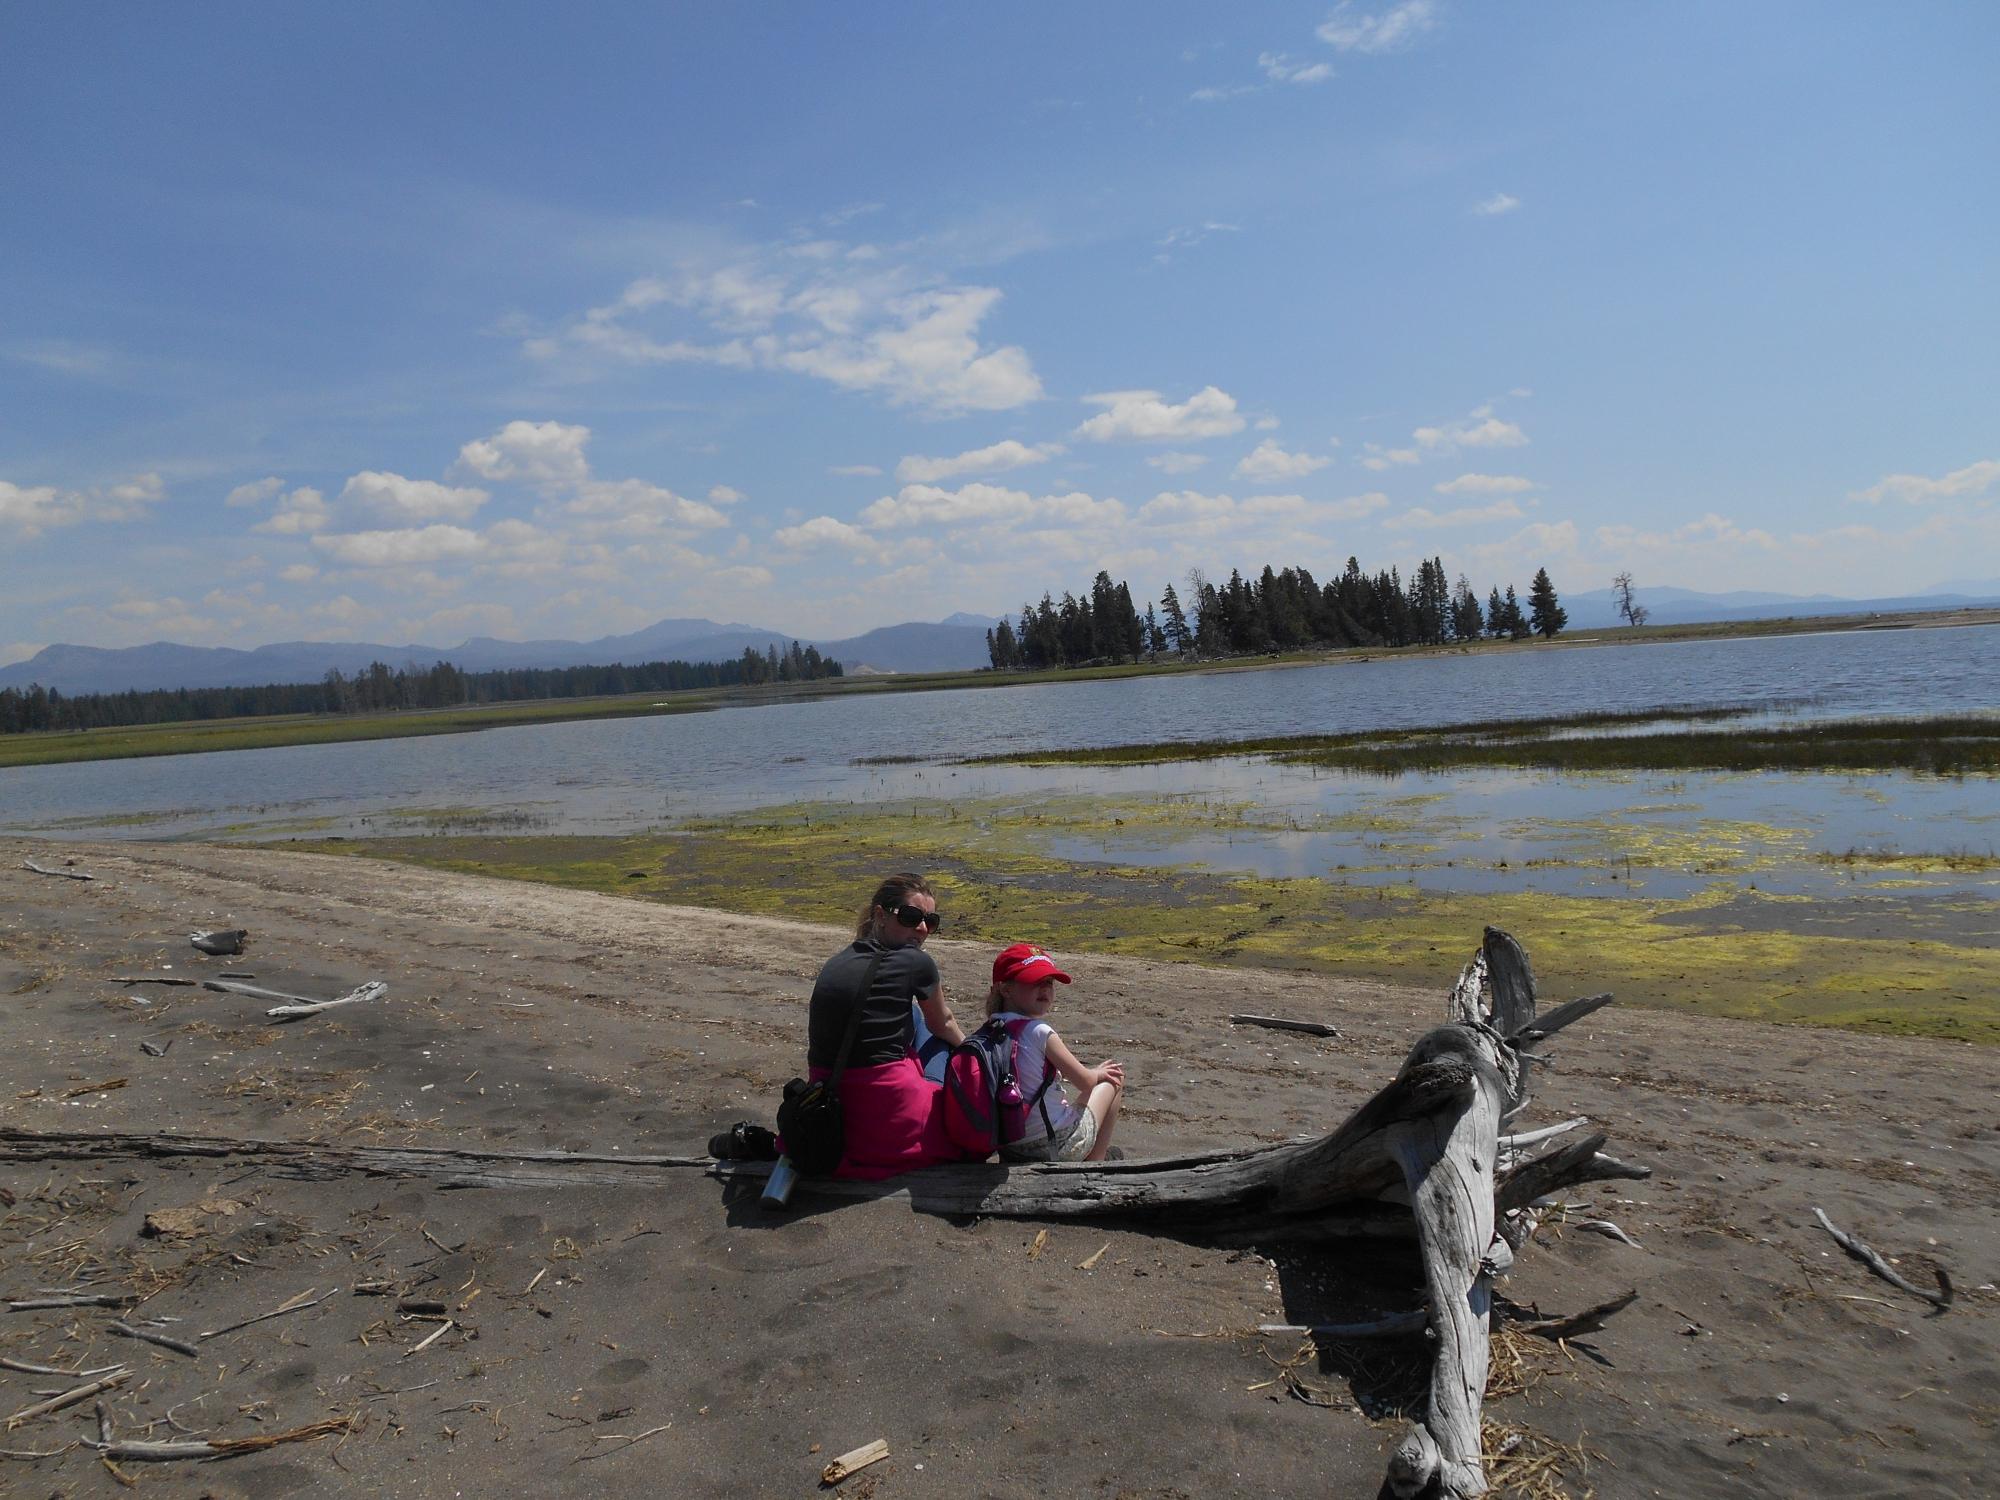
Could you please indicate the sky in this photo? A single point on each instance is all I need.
(413, 323)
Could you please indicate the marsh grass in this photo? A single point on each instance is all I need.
(1956, 745)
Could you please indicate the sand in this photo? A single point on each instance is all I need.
(743, 1350)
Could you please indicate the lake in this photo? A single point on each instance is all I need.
(615, 776)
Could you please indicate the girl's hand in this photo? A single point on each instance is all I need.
(1112, 1073)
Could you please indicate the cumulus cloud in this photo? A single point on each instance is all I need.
(298, 573)
(722, 494)
(1282, 68)
(638, 504)
(825, 531)
(254, 493)
(994, 459)
(541, 453)
(300, 513)
(1349, 30)
(1142, 416)
(1267, 462)
(985, 505)
(812, 310)
(1499, 203)
(1377, 458)
(1421, 519)
(866, 471)
(1479, 430)
(28, 511)
(1176, 463)
(411, 499)
(1485, 484)
(1701, 535)
(1918, 489)
(1221, 514)
(404, 548)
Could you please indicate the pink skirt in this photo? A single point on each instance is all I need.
(895, 1121)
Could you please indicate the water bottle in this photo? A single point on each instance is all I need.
(778, 1186)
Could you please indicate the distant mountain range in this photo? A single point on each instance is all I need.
(952, 645)
(955, 644)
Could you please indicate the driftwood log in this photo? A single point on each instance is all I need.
(1432, 1157)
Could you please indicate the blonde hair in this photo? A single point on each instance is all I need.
(893, 891)
(996, 998)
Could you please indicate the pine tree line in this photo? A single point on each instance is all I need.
(1277, 611)
(381, 688)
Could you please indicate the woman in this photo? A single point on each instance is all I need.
(893, 1115)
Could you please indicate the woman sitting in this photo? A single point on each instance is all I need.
(893, 1114)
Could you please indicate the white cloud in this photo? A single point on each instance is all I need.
(411, 499)
(1377, 458)
(31, 510)
(995, 459)
(542, 453)
(1480, 430)
(1216, 95)
(985, 505)
(1347, 30)
(1916, 489)
(641, 505)
(722, 494)
(813, 311)
(1141, 416)
(861, 470)
(1499, 203)
(298, 573)
(408, 547)
(1421, 519)
(1225, 515)
(1485, 484)
(1280, 67)
(301, 512)
(929, 358)
(825, 531)
(255, 493)
(1176, 463)
(1267, 461)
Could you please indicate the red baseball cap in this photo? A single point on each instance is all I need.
(1026, 962)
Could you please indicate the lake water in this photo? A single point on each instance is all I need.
(614, 776)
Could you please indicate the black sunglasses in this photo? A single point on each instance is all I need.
(916, 916)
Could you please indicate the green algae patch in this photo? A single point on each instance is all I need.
(1915, 967)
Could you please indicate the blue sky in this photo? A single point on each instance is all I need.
(407, 323)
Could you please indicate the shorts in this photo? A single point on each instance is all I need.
(1069, 1145)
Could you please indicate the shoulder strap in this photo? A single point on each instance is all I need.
(854, 1021)
(1041, 1100)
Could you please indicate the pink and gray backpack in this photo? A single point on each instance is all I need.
(984, 1108)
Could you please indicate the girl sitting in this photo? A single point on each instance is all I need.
(1058, 1127)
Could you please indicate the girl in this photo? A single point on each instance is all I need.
(1059, 1128)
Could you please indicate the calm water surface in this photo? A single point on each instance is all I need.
(613, 776)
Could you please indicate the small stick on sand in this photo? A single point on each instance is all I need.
(1940, 1299)
(73, 1299)
(299, 1303)
(442, 1329)
(29, 864)
(155, 979)
(622, 1440)
(1275, 1023)
(147, 1336)
(27, 1369)
(1393, 1326)
(70, 1397)
(220, 1447)
(853, 1463)
(1590, 1320)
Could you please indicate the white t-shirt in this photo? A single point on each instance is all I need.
(1031, 1066)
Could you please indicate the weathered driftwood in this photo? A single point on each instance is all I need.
(1278, 1023)
(255, 992)
(29, 864)
(147, 1336)
(1940, 1299)
(70, 1398)
(374, 989)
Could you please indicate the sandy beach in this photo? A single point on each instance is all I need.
(614, 1340)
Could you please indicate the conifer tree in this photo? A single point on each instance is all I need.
(1544, 613)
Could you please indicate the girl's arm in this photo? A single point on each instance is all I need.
(938, 1016)
(1075, 1073)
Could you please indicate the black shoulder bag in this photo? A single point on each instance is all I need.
(809, 1116)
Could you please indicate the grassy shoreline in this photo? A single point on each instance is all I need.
(193, 738)
(1873, 963)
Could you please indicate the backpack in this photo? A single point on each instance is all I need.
(983, 1105)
